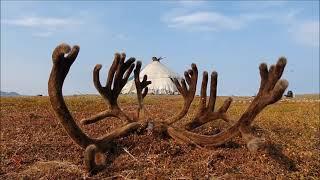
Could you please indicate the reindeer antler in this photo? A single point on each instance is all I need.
(119, 73)
(141, 86)
(206, 111)
(191, 76)
(271, 90)
(63, 57)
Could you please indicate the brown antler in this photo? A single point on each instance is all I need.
(206, 111)
(114, 85)
(191, 76)
(142, 89)
(271, 90)
(63, 57)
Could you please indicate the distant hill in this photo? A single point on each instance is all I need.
(2, 93)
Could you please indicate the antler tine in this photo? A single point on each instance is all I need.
(224, 108)
(194, 78)
(96, 80)
(141, 86)
(119, 81)
(206, 112)
(112, 71)
(117, 113)
(122, 67)
(203, 93)
(114, 85)
(213, 91)
(187, 92)
(264, 73)
(277, 72)
(138, 83)
(119, 73)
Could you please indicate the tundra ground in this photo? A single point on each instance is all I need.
(34, 145)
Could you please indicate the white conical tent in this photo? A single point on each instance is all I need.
(159, 75)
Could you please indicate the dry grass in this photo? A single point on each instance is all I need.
(34, 145)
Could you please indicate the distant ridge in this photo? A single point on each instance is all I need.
(2, 93)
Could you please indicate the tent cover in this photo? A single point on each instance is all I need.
(159, 75)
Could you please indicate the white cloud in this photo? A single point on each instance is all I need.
(42, 34)
(191, 3)
(42, 26)
(260, 5)
(211, 21)
(191, 16)
(121, 36)
(205, 21)
(306, 33)
(41, 22)
(303, 31)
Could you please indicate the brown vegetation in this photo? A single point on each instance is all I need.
(31, 136)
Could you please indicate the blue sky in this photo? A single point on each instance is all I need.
(230, 37)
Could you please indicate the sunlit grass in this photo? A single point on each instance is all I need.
(29, 128)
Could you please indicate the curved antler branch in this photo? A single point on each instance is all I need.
(141, 86)
(206, 112)
(270, 91)
(188, 93)
(104, 114)
(63, 57)
(115, 81)
(118, 75)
